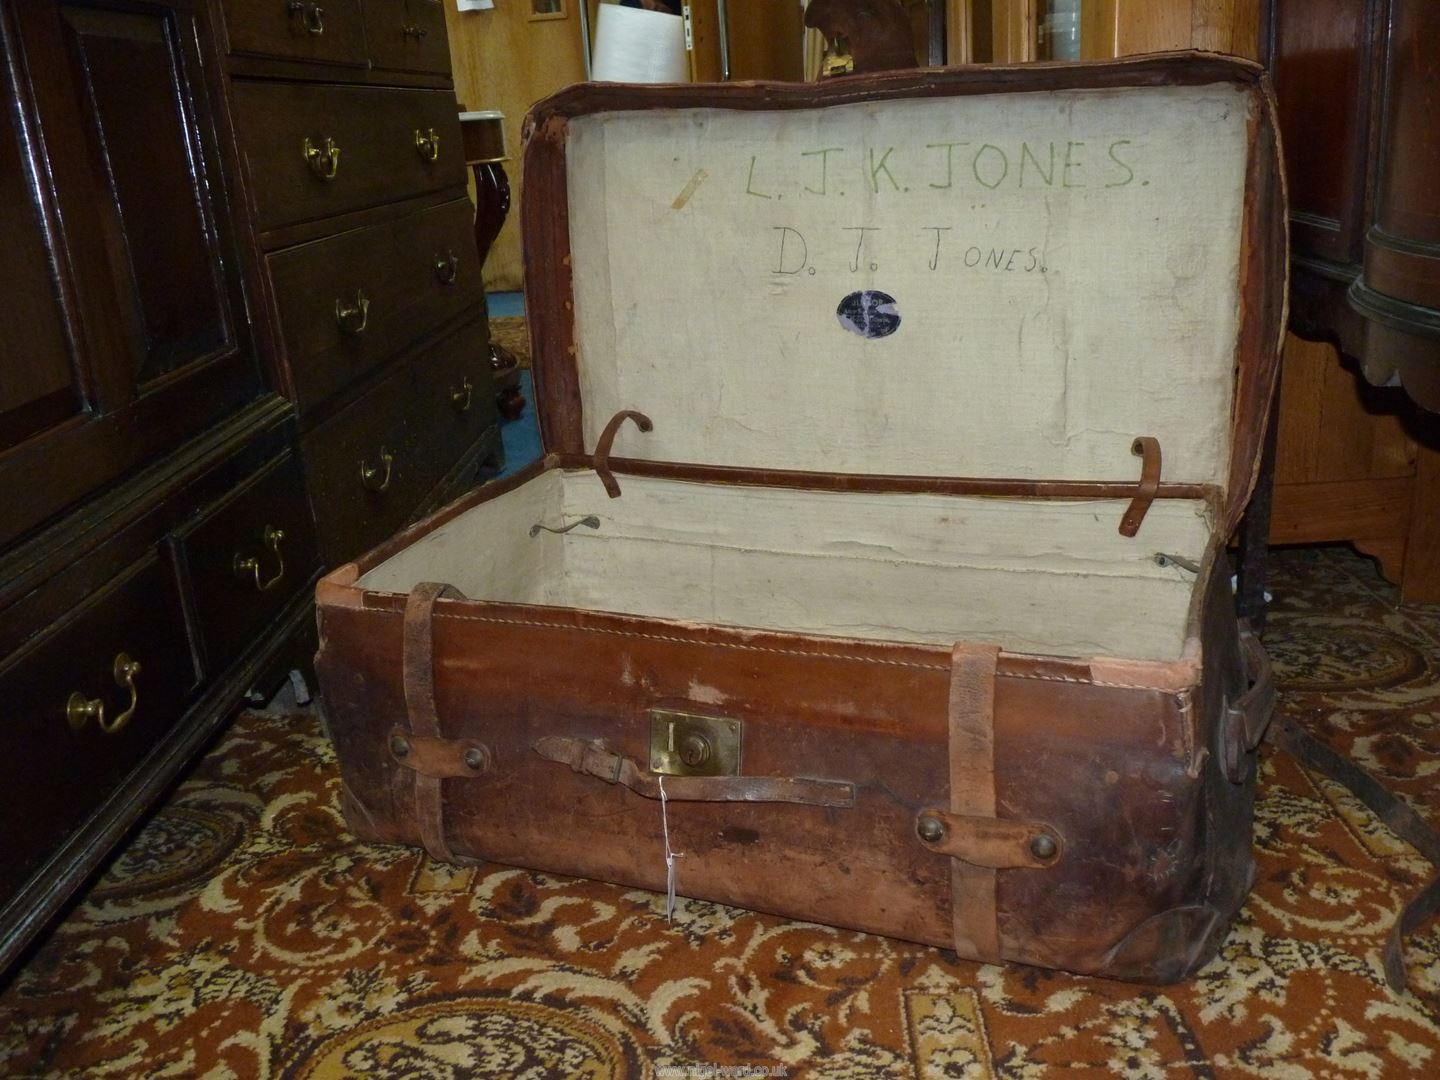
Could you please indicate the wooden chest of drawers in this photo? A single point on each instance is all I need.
(146, 641)
(349, 302)
(349, 130)
(322, 150)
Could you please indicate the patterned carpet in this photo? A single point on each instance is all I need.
(244, 934)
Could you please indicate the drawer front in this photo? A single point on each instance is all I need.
(351, 301)
(316, 150)
(407, 35)
(372, 464)
(456, 391)
(53, 775)
(329, 31)
(245, 558)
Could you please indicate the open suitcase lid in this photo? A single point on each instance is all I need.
(980, 273)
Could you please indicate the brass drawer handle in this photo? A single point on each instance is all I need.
(79, 708)
(428, 146)
(410, 30)
(323, 160)
(446, 267)
(461, 398)
(353, 320)
(250, 567)
(372, 476)
(313, 15)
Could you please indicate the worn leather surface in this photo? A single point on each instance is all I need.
(418, 677)
(971, 749)
(592, 759)
(438, 757)
(988, 841)
(1154, 836)
(1156, 840)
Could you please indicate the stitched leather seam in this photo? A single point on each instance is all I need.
(1087, 682)
(789, 652)
(688, 641)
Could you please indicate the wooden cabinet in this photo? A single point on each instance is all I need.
(320, 31)
(1017, 31)
(358, 183)
(1356, 85)
(321, 151)
(131, 345)
(142, 452)
(231, 296)
(407, 35)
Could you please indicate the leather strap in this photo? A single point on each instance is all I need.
(441, 758)
(972, 794)
(999, 843)
(1244, 721)
(418, 670)
(601, 459)
(1402, 820)
(592, 759)
(1147, 448)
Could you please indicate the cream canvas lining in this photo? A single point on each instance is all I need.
(1042, 576)
(1064, 265)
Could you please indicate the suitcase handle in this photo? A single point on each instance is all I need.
(1244, 720)
(592, 759)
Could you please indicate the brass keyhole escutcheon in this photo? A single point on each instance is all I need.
(688, 744)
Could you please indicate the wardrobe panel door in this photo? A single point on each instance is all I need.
(37, 374)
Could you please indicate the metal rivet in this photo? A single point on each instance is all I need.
(930, 829)
(476, 758)
(1042, 846)
(399, 746)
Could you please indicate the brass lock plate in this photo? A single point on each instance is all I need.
(685, 744)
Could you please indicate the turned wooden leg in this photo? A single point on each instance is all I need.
(492, 205)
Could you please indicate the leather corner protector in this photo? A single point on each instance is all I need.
(1171, 676)
(337, 588)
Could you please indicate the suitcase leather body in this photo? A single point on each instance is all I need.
(1005, 711)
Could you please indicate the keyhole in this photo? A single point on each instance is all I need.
(694, 750)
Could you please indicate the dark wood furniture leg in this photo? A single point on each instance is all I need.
(492, 204)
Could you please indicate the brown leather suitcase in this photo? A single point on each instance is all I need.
(894, 429)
